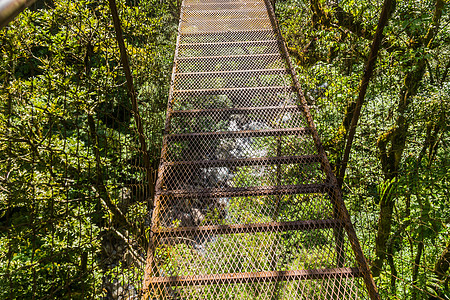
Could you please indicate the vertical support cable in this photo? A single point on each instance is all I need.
(132, 94)
(9, 9)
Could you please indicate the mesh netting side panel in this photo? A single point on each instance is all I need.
(74, 202)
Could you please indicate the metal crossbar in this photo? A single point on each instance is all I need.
(246, 204)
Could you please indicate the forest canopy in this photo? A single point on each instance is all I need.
(76, 190)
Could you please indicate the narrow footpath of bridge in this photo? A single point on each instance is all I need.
(246, 205)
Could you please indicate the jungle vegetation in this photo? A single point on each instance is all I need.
(74, 194)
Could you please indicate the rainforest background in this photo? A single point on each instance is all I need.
(76, 181)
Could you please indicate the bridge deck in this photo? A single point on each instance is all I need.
(246, 205)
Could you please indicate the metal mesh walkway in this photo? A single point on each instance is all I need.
(246, 204)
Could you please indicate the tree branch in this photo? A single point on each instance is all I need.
(130, 247)
(118, 217)
(368, 71)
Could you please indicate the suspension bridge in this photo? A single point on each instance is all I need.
(246, 204)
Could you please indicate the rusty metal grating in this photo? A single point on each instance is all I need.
(246, 204)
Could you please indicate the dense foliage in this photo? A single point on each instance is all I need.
(74, 193)
(396, 188)
(70, 157)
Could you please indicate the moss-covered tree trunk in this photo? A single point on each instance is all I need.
(392, 143)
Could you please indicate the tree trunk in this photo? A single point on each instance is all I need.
(392, 143)
(353, 112)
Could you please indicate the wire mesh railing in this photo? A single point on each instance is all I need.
(76, 187)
